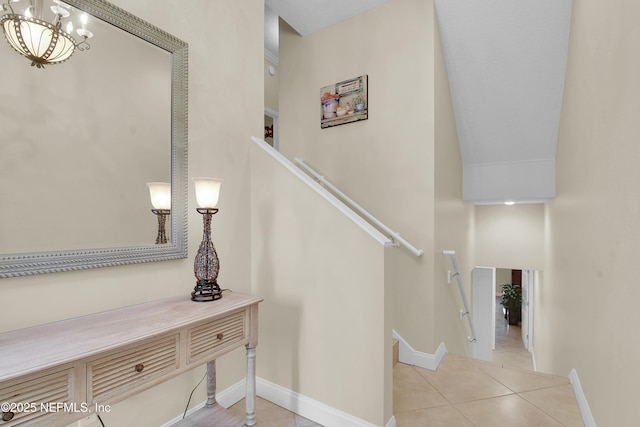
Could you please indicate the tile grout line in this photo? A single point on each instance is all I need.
(540, 409)
(458, 406)
(472, 400)
(433, 386)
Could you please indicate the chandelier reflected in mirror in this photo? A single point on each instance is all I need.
(43, 42)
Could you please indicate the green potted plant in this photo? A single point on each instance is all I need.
(359, 102)
(512, 302)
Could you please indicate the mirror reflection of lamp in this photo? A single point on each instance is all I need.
(206, 265)
(160, 193)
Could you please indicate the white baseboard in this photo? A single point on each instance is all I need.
(179, 417)
(392, 422)
(416, 358)
(226, 398)
(583, 405)
(295, 402)
(533, 360)
(309, 408)
(232, 395)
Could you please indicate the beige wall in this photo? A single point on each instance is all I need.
(326, 330)
(510, 236)
(454, 219)
(590, 294)
(225, 57)
(271, 85)
(503, 276)
(386, 162)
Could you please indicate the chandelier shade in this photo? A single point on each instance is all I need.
(41, 42)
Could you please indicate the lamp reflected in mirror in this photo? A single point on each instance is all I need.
(207, 265)
(160, 193)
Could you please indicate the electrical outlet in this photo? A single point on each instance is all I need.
(449, 273)
(461, 314)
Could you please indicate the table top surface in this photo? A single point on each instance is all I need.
(23, 351)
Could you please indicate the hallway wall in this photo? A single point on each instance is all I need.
(502, 276)
(589, 293)
(386, 163)
(271, 86)
(225, 63)
(510, 236)
(325, 305)
(454, 219)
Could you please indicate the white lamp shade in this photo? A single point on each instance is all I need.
(38, 40)
(160, 193)
(207, 191)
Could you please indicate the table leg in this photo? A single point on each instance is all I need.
(211, 383)
(251, 387)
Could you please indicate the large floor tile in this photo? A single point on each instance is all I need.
(513, 358)
(559, 402)
(411, 391)
(461, 380)
(520, 381)
(443, 416)
(505, 411)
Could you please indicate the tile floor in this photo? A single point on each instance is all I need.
(271, 415)
(466, 392)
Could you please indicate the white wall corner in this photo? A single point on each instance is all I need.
(309, 408)
(583, 405)
(232, 395)
(408, 355)
(272, 57)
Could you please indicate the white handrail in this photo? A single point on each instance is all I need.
(323, 192)
(395, 236)
(456, 274)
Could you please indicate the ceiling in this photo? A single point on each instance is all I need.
(309, 16)
(505, 63)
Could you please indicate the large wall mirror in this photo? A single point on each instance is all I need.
(79, 141)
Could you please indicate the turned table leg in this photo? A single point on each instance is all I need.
(251, 387)
(211, 383)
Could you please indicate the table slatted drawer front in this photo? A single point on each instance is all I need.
(125, 370)
(34, 401)
(216, 336)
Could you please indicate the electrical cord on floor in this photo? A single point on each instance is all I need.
(100, 419)
(191, 395)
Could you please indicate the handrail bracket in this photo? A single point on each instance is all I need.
(463, 312)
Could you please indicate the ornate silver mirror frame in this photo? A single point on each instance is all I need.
(24, 264)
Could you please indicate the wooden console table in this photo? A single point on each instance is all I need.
(60, 372)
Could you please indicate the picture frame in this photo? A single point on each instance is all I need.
(344, 102)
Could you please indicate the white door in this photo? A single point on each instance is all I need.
(483, 311)
(527, 288)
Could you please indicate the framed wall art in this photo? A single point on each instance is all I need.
(344, 102)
